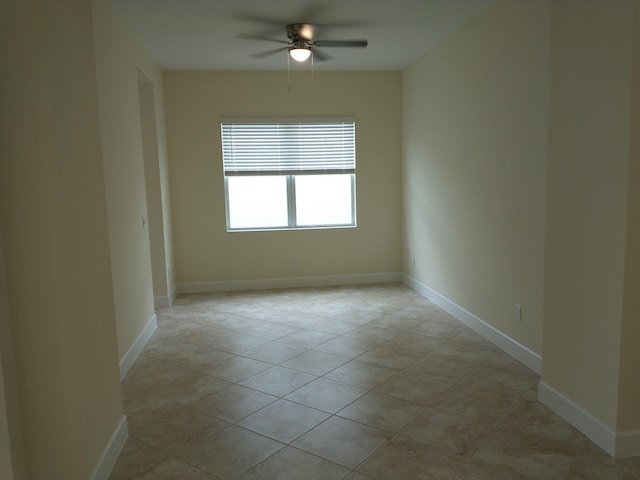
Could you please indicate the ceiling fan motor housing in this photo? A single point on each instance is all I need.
(300, 32)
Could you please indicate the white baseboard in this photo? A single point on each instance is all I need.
(134, 350)
(617, 444)
(111, 451)
(161, 302)
(573, 413)
(291, 282)
(506, 343)
(165, 300)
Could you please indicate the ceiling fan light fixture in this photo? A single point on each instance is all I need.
(300, 54)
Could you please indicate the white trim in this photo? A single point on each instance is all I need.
(290, 282)
(506, 343)
(616, 444)
(577, 416)
(111, 451)
(136, 347)
(165, 301)
(161, 302)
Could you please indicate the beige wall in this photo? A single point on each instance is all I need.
(475, 116)
(204, 251)
(587, 199)
(55, 239)
(119, 59)
(157, 187)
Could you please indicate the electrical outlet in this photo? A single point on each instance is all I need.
(413, 261)
(518, 312)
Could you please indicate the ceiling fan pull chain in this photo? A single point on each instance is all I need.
(313, 85)
(288, 73)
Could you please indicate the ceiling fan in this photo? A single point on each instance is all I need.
(302, 43)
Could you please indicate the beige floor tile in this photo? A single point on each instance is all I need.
(186, 354)
(604, 467)
(346, 346)
(234, 403)
(228, 454)
(468, 335)
(358, 476)
(404, 458)
(390, 357)
(463, 400)
(274, 352)
(261, 329)
(333, 326)
(438, 329)
(221, 362)
(413, 342)
(501, 360)
(315, 363)
(298, 315)
(191, 388)
(170, 431)
(466, 352)
(441, 368)
(397, 322)
(284, 420)
(306, 338)
(142, 462)
(326, 395)
(361, 316)
(475, 470)
(233, 342)
(414, 388)
(460, 434)
(382, 411)
(139, 401)
(538, 456)
(419, 313)
(437, 315)
(534, 417)
(342, 441)
(293, 464)
(373, 334)
(278, 381)
(237, 369)
(361, 374)
(149, 372)
(520, 386)
(143, 419)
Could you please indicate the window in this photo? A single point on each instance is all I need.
(288, 174)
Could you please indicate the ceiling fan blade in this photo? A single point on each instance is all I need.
(250, 36)
(320, 56)
(340, 43)
(268, 53)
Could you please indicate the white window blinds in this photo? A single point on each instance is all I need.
(288, 147)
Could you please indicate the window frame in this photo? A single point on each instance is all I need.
(291, 210)
(292, 223)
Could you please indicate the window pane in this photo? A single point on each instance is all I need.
(323, 200)
(257, 202)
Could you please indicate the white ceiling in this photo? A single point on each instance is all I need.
(202, 34)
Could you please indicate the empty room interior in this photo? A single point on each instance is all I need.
(473, 312)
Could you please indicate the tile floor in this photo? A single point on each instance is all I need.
(359, 383)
